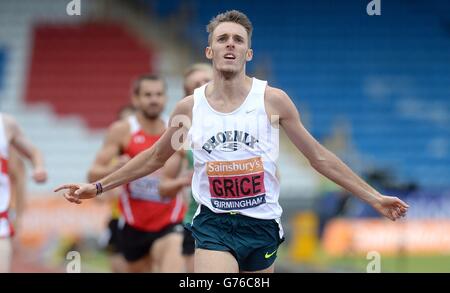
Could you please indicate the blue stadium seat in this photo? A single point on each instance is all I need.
(2, 67)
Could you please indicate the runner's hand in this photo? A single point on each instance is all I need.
(39, 175)
(76, 192)
(391, 207)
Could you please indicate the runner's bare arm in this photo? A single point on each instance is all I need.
(143, 164)
(21, 143)
(324, 161)
(111, 148)
(171, 181)
(17, 171)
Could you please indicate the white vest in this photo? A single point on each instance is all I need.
(235, 156)
(4, 178)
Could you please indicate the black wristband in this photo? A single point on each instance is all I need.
(99, 188)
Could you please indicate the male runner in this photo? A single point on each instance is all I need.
(172, 181)
(231, 124)
(109, 240)
(12, 136)
(150, 235)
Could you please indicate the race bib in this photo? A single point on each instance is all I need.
(236, 185)
(146, 188)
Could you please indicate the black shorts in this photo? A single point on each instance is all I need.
(113, 227)
(253, 242)
(188, 243)
(109, 238)
(135, 244)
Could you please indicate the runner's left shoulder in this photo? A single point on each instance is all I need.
(274, 95)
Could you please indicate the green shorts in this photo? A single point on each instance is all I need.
(253, 242)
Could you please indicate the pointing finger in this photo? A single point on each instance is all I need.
(65, 186)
